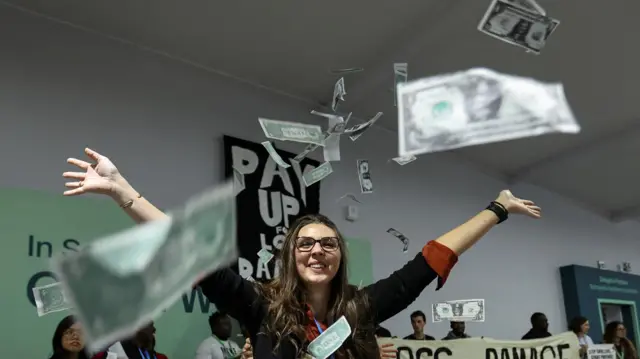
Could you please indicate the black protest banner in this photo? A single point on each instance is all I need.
(272, 198)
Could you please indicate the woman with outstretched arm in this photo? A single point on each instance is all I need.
(312, 292)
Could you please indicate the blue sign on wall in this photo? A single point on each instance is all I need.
(587, 289)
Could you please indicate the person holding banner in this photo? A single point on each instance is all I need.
(615, 333)
(580, 326)
(312, 291)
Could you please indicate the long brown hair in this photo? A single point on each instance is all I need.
(610, 334)
(287, 311)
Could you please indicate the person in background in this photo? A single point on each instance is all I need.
(615, 333)
(382, 332)
(539, 327)
(140, 346)
(580, 326)
(218, 345)
(418, 321)
(457, 331)
(67, 341)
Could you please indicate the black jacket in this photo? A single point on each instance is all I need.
(536, 334)
(237, 296)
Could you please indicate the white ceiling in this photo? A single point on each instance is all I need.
(290, 46)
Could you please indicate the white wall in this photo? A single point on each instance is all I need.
(161, 123)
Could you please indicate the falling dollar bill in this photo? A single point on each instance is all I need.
(475, 107)
(333, 118)
(510, 22)
(466, 310)
(346, 71)
(338, 93)
(356, 131)
(265, 256)
(274, 155)
(331, 141)
(50, 298)
(349, 196)
(292, 131)
(310, 148)
(364, 175)
(400, 73)
(330, 340)
(401, 237)
(404, 160)
(119, 283)
(317, 174)
(331, 150)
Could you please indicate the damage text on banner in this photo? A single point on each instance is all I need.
(561, 346)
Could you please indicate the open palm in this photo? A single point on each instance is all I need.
(516, 205)
(98, 177)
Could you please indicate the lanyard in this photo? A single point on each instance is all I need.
(620, 354)
(223, 347)
(320, 330)
(145, 354)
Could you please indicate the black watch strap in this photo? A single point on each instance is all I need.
(499, 210)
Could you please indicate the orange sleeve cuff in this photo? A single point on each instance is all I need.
(441, 259)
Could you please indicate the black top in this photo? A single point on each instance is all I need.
(452, 336)
(536, 334)
(413, 337)
(237, 296)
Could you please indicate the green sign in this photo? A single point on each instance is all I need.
(36, 225)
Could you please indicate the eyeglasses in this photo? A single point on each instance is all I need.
(70, 333)
(305, 244)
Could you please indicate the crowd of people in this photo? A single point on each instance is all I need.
(281, 317)
(615, 333)
(68, 343)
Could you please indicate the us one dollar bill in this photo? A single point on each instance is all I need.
(466, 310)
(356, 131)
(50, 298)
(331, 150)
(310, 148)
(292, 131)
(404, 160)
(339, 91)
(317, 174)
(478, 106)
(330, 340)
(265, 256)
(401, 237)
(400, 73)
(511, 21)
(364, 175)
(119, 283)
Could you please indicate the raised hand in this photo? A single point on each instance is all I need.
(101, 176)
(388, 351)
(518, 206)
